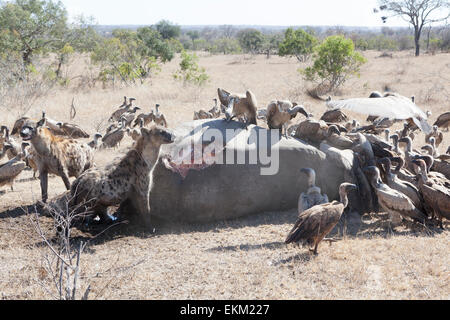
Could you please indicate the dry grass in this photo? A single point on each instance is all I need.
(240, 259)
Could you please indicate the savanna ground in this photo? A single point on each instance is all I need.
(239, 259)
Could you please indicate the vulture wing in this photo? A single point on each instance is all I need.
(393, 107)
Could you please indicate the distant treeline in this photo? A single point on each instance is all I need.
(37, 42)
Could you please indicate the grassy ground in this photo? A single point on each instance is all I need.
(239, 259)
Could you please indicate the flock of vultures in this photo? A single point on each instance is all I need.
(411, 185)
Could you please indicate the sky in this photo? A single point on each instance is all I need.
(232, 12)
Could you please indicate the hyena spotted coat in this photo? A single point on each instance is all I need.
(126, 182)
(56, 155)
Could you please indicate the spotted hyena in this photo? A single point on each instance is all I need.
(56, 155)
(126, 182)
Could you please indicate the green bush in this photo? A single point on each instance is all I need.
(190, 71)
(335, 60)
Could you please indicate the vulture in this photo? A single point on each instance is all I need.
(13, 148)
(314, 224)
(215, 111)
(113, 139)
(391, 105)
(118, 113)
(94, 143)
(442, 167)
(10, 170)
(202, 115)
(437, 135)
(334, 116)
(146, 117)
(313, 196)
(159, 118)
(72, 131)
(409, 154)
(435, 196)
(443, 121)
(312, 131)
(433, 176)
(393, 201)
(404, 187)
(239, 105)
(402, 174)
(335, 139)
(431, 148)
(130, 116)
(278, 117)
(135, 134)
(124, 104)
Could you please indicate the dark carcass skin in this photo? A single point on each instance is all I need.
(218, 192)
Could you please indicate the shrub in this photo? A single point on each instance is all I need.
(335, 60)
(190, 71)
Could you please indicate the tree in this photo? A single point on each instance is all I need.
(418, 13)
(194, 35)
(335, 60)
(251, 40)
(32, 26)
(168, 30)
(297, 43)
(155, 46)
(131, 55)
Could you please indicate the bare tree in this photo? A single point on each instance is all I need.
(419, 13)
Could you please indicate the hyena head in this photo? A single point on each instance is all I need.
(151, 139)
(31, 129)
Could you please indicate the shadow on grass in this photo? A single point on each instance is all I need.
(350, 226)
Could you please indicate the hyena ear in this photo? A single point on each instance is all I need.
(41, 123)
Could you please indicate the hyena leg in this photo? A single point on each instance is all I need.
(43, 176)
(65, 178)
(141, 202)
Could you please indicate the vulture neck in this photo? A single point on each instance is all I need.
(344, 198)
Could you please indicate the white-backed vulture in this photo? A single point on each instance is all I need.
(393, 201)
(437, 135)
(313, 196)
(239, 105)
(312, 131)
(334, 116)
(433, 175)
(408, 189)
(409, 154)
(73, 131)
(129, 116)
(391, 105)
(314, 224)
(118, 113)
(402, 174)
(146, 117)
(443, 121)
(113, 139)
(10, 170)
(159, 117)
(335, 139)
(94, 143)
(14, 147)
(278, 117)
(435, 196)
